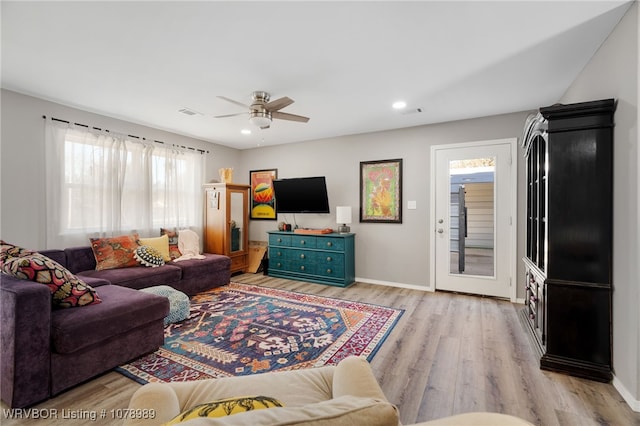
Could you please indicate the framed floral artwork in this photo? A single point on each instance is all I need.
(381, 191)
(263, 200)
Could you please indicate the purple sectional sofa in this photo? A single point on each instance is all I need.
(46, 351)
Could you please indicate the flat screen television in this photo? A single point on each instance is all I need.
(301, 195)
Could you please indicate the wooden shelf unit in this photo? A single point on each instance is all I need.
(226, 222)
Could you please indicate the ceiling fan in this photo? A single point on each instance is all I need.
(261, 111)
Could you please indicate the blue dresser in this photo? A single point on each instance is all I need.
(319, 258)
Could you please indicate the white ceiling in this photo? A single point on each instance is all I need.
(344, 63)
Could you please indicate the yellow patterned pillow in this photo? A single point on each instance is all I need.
(225, 407)
(159, 243)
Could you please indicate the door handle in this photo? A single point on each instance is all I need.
(440, 230)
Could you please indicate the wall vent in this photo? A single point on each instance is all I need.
(188, 111)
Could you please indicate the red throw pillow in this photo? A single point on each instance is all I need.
(115, 252)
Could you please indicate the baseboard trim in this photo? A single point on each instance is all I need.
(394, 284)
(626, 395)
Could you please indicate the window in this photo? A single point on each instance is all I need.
(110, 185)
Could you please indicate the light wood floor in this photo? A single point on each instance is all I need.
(448, 354)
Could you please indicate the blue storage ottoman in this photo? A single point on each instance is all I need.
(178, 302)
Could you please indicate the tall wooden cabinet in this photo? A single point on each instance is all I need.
(226, 222)
(568, 260)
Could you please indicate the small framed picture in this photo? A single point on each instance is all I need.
(381, 191)
(263, 200)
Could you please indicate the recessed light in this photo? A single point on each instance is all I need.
(245, 131)
(399, 105)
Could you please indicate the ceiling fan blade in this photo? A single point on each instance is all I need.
(230, 115)
(278, 104)
(233, 102)
(291, 117)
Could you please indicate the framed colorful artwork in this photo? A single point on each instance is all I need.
(381, 191)
(263, 201)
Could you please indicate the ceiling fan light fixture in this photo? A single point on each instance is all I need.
(260, 118)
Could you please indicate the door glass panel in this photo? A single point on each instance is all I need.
(472, 216)
(237, 221)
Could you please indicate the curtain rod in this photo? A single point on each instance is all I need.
(201, 151)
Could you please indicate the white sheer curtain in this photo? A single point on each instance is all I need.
(103, 184)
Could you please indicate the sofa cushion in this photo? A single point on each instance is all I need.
(80, 259)
(115, 252)
(8, 251)
(122, 309)
(67, 290)
(159, 243)
(346, 410)
(139, 277)
(148, 256)
(225, 407)
(193, 268)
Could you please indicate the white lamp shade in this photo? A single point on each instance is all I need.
(343, 214)
(260, 121)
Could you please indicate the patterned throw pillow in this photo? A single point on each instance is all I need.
(115, 252)
(7, 251)
(159, 243)
(226, 407)
(174, 251)
(148, 256)
(67, 290)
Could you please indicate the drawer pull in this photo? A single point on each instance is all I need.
(303, 242)
(302, 268)
(329, 271)
(278, 264)
(329, 259)
(302, 256)
(279, 254)
(329, 244)
(279, 240)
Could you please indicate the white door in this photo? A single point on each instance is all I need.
(473, 242)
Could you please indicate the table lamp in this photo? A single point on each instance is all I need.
(343, 217)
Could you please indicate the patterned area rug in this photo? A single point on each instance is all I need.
(241, 329)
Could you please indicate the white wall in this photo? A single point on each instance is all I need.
(388, 253)
(613, 73)
(22, 211)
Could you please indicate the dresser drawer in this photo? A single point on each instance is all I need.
(278, 253)
(303, 266)
(301, 255)
(334, 244)
(330, 271)
(280, 240)
(279, 264)
(330, 259)
(303, 241)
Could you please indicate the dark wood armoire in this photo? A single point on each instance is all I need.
(568, 260)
